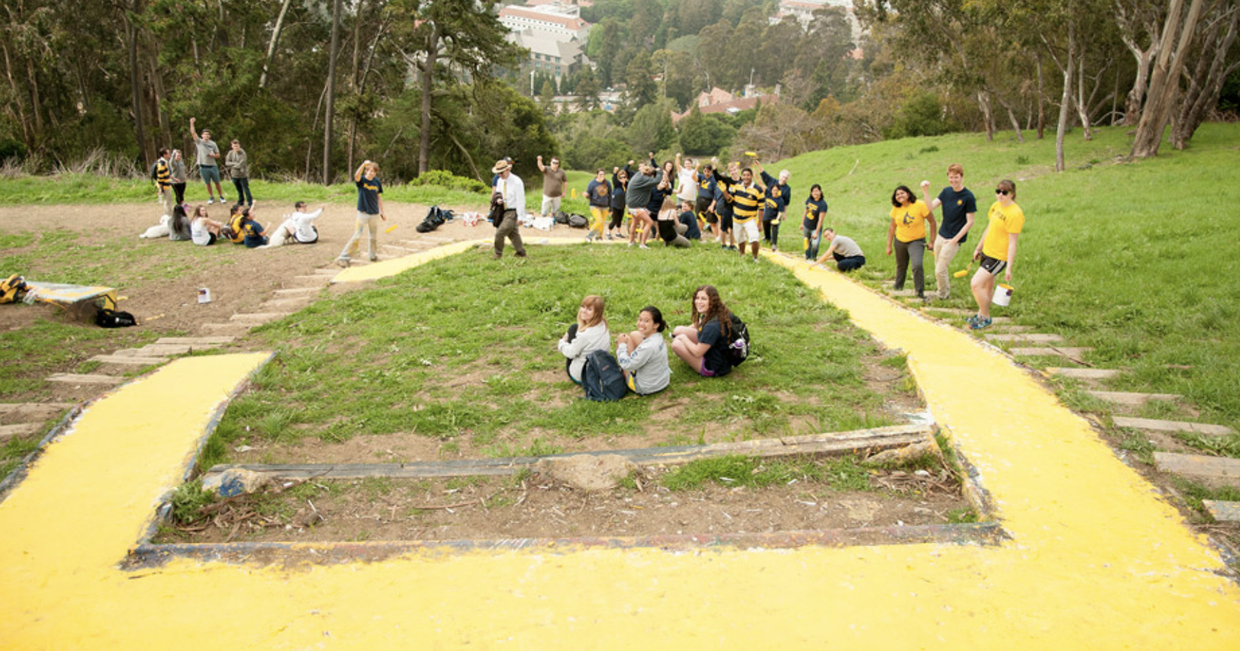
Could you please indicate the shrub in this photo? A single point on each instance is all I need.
(446, 179)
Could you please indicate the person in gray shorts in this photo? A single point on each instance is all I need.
(208, 161)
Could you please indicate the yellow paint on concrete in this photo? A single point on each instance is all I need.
(396, 265)
(1096, 560)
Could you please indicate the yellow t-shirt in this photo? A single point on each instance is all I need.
(1003, 222)
(910, 221)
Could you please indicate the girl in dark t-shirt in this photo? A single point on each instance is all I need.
(704, 344)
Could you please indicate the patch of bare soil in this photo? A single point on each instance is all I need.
(539, 507)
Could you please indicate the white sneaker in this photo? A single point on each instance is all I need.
(644, 246)
(223, 199)
(342, 262)
(211, 201)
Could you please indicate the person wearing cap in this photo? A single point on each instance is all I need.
(510, 193)
(208, 161)
(369, 206)
(555, 180)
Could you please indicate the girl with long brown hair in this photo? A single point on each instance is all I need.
(704, 344)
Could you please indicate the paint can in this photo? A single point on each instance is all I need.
(204, 295)
(1003, 295)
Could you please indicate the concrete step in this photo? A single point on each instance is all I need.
(197, 342)
(1223, 511)
(900, 292)
(1006, 328)
(155, 350)
(33, 409)
(258, 317)
(1069, 352)
(1171, 426)
(297, 291)
(225, 327)
(401, 249)
(1084, 373)
(324, 271)
(313, 281)
(128, 360)
(1025, 338)
(21, 429)
(1131, 399)
(75, 378)
(287, 303)
(1225, 469)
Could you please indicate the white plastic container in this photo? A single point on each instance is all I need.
(204, 295)
(1003, 295)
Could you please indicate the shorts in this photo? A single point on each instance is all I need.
(701, 209)
(210, 239)
(746, 231)
(993, 266)
(725, 222)
(209, 173)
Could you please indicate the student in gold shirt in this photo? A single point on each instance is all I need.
(996, 252)
(909, 217)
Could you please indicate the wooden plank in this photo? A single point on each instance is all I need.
(1026, 338)
(835, 442)
(155, 350)
(1132, 399)
(1171, 426)
(75, 378)
(279, 303)
(1012, 329)
(32, 408)
(1226, 469)
(1062, 351)
(321, 281)
(258, 317)
(198, 342)
(325, 272)
(225, 327)
(128, 360)
(1084, 373)
(297, 290)
(1223, 511)
(9, 431)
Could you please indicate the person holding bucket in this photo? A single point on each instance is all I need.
(996, 252)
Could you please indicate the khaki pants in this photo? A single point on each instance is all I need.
(364, 222)
(165, 199)
(510, 229)
(944, 251)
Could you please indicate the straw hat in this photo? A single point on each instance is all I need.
(500, 166)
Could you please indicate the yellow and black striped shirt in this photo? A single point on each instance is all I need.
(746, 202)
(162, 174)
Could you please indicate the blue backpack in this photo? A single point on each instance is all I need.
(602, 377)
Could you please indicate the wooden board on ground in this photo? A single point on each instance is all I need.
(128, 360)
(290, 291)
(32, 408)
(258, 317)
(75, 378)
(9, 431)
(197, 342)
(1084, 373)
(835, 442)
(1225, 469)
(1026, 338)
(1223, 511)
(1131, 399)
(1069, 352)
(1171, 426)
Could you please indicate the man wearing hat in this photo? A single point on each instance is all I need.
(511, 192)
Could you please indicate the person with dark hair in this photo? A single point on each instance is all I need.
(176, 165)
(204, 231)
(641, 185)
(746, 199)
(179, 229)
(586, 335)
(599, 193)
(847, 254)
(723, 205)
(163, 180)
(555, 183)
(703, 345)
(704, 205)
(208, 161)
(619, 183)
(811, 224)
(642, 354)
(655, 206)
(299, 228)
(253, 232)
(909, 216)
(996, 252)
(238, 164)
(688, 219)
(959, 208)
(778, 194)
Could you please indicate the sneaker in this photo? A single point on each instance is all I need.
(223, 199)
(590, 236)
(774, 249)
(212, 200)
(725, 247)
(342, 262)
(374, 258)
(609, 237)
(644, 246)
(630, 245)
(971, 320)
(981, 323)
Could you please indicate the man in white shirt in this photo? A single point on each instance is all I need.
(510, 187)
(298, 228)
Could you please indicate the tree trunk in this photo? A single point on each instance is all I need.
(131, 31)
(1207, 84)
(1065, 103)
(314, 127)
(1041, 99)
(165, 125)
(1081, 110)
(20, 112)
(271, 47)
(428, 72)
(331, 95)
(1011, 118)
(1132, 105)
(357, 44)
(1164, 83)
(983, 100)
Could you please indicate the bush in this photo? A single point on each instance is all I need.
(450, 181)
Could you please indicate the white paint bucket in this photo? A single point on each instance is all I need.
(1003, 295)
(204, 295)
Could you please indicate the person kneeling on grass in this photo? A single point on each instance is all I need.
(298, 228)
(585, 336)
(996, 252)
(704, 344)
(642, 354)
(847, 254)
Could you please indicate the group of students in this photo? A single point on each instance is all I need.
(194, 224)
(642, 353)
(170, 174)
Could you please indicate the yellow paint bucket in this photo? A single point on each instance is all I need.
(1003, 295)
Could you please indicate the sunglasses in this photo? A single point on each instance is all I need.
(1002, 192)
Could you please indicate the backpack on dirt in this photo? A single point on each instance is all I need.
(602, 378)
(435, 217)
(561, 217)
(578, 221)
(106, 318)
(12, 289)
(738, 343)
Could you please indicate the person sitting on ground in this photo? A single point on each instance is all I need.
(599, 192)
(179, 227)
(671, 231)
(204, 230)
(298, 228)
(234, 231)
(655, 206)
(704, 344)
(909, 217)
(689, 220)
(254, 235)
(642, 354)
(585, 336)
(996, 252)
(847, 254)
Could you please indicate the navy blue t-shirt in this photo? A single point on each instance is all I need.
(706, 186)
(717, 360)
(955, 206)
(656, 200)
(722, 207)
(368, 191)
(814, 210)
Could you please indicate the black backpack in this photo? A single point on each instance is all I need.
(738, 343)
(106, 318)
(578, 221)
(561, 217)
(435, 218)
(602, 378)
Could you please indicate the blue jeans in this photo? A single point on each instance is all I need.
(808, 233)
(243, 191)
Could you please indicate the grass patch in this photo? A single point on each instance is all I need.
(842, 474)
(30, 354)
